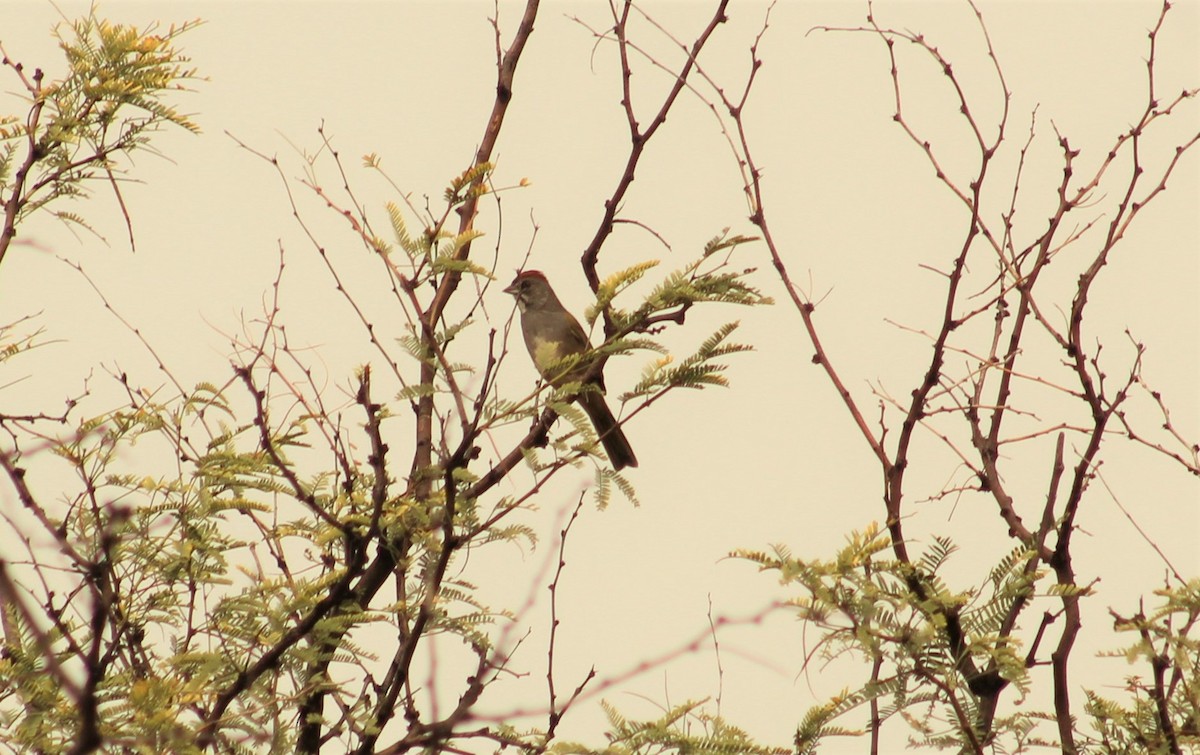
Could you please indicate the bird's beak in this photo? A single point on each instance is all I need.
(512, 289)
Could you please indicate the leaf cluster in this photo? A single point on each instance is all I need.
(109, 103)
(706, 279)
(1162, 710)
(173, 584)
(683, 728)
(864, 605)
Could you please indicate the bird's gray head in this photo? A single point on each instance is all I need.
(531, 290)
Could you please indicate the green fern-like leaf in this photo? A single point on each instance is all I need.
(723, 241)
(614, 284)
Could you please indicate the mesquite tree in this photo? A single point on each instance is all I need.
(955, 659)
(280, 583)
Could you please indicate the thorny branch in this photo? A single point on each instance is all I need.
(1020, 271)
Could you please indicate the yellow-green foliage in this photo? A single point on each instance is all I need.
(110, 101)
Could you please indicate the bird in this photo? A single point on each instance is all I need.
(552, 334)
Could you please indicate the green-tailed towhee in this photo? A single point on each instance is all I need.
(552, 334)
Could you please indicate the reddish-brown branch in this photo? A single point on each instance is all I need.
(419, 479)
(639, 137)
(894, 475)
(555, 712)
(33, 153)
(505, 76)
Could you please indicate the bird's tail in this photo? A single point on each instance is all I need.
(616, 445)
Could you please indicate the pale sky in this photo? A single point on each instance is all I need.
(773, 459)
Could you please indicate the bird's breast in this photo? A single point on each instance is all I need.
(545, 352)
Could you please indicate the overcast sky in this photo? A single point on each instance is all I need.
(857, 210)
